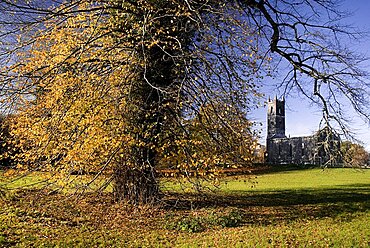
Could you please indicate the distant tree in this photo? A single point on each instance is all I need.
(110, 85)
(260, 154)
(354, 155)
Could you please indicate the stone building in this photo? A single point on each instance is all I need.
(318, 149)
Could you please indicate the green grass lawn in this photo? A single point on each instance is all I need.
(304, 179)
(300, 208)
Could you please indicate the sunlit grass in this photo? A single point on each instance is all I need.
(300, 179)
(293, 179)
(284, 180)
(22, 180)
(65, 184)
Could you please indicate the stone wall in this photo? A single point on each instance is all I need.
(297, 150)
(317, 149)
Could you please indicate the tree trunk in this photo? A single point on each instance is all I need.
(136, 186)
(135, 179)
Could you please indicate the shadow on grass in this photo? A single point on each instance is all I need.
(286, 205)
(342, 203)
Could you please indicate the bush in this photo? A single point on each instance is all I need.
(191, 224)
(233, 219)
(187, 224)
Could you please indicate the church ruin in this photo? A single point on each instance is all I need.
(322, 148)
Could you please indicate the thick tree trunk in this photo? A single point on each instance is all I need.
(135, 179)
(136, 186)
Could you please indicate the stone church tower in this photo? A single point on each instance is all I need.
(276, 118)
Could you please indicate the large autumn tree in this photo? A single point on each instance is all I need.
(118, 86)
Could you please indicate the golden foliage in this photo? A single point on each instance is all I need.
(218, 137)
(354, 155)
(74, 121)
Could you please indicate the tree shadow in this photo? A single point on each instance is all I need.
(266, 207)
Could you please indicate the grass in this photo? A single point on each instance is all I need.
(303, 179)
(301, 208)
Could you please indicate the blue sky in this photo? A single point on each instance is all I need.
(303, 119)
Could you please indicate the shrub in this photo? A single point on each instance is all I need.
(233, 219)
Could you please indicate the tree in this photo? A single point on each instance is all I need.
(354, 155)
(117, 82)
(218, 136)
(109, 84)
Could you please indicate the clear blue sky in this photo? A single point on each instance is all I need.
(303, 119)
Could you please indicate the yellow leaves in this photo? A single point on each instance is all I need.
(218, 137)
(76, 120)
(10, 173)
(153, 43)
